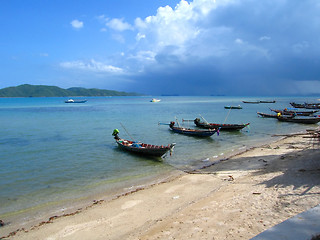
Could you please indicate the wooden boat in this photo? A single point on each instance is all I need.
(255, 102)
(233, 107)
(266, 115)
(312, 105)
(142, 148)
(297, 105)
(75, 101)
(292, 111)
(264, 101)
(226, 127)
(192, 132)
(306, 120)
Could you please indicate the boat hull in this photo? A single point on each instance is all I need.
(144, 149)
(290, 112)
(266, 115)
(225, 127)
(311, 120)
(194, 132)
(233, 107)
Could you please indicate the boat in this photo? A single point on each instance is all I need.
(266, 115)
(226, 127)
(75, 101)
(233, 107)
(294, 111)
(306, 105)
(155, 100)
(297, 105)
(264, 101)
(312, 105)
(192, 132)
(142, 148)
(255, 102)
(306, 120)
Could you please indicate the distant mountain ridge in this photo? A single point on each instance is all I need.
(28, 90)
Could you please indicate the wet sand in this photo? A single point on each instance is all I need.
(235, 199)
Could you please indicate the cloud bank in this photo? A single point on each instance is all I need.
(204, 47)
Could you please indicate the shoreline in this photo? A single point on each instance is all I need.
(214, 169)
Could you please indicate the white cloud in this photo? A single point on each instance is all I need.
(239, 41)
(92, 66)
(118, 24)
(76, 24)
(264, 38)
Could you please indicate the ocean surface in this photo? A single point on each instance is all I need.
(53, 153)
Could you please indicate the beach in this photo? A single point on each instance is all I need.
(237, 198)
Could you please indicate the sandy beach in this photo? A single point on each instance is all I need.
(237, 198)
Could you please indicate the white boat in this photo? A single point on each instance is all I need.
(155, 100)
(75, 101)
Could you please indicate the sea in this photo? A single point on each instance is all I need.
(54, 155)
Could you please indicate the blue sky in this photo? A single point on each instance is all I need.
(199, 47)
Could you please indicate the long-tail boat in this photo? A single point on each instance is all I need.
(306, 105)
(306, 120)
(267, 115)
(266, 101)
(226, 127)
(192, 132)
(254, 102)
(233, 107)
(292, 111)
(297, 105)
(142, 148)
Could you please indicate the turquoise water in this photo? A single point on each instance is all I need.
(53, 152)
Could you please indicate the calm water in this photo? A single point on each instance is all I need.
(53, 152)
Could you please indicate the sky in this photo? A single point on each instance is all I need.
(156, 47)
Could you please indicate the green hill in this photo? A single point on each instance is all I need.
(27, 90)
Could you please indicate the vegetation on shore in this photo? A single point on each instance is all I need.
(27, 90)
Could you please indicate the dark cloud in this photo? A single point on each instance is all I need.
(251, 47)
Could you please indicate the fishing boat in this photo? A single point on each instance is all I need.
(306, 120)
(192, 132)
(75, 101)
(265, 101)
(226, 127)
(233, 107)
(155, 100)
(294, 111)
(254, 102)
(142, 148)
(297, 105)
(312, 105)
(266, 115)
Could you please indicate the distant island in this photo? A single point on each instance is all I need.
(27, 90)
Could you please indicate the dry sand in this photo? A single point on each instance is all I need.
(235, 199)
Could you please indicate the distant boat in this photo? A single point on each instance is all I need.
(255, 102)
(75, 101)
(297, 105)
(226, 127)
(264, 101)
(192, 132)
(155, 100)
(142, 148)
(233, 107)
(306, 105)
